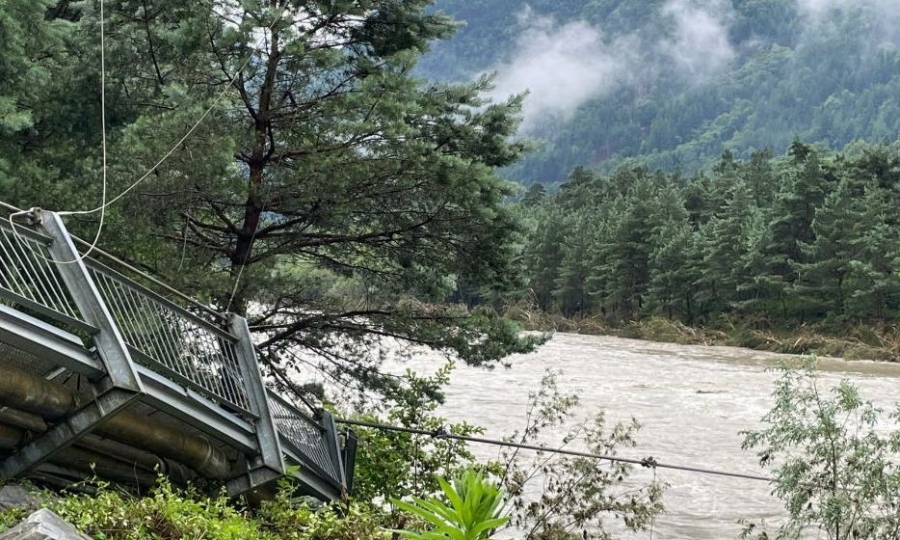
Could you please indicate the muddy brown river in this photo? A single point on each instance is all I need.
(692, 402)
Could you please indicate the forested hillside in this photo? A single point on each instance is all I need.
(674, 83)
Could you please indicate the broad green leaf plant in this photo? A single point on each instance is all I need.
(471, 510)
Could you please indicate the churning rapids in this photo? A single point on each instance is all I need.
(692, 402)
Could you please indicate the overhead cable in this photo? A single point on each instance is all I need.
(648, 462)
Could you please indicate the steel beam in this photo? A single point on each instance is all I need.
(253, 478)
(68, 431)
(196, 410)
(109, 341)
(269, 460)
(48, 342)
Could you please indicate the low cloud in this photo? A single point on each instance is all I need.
(699, 44)
(883, 14)
(561, 67)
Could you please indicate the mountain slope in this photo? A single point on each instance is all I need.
(674, 83)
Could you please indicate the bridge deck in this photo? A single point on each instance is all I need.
(126, 345)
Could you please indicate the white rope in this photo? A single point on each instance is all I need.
(181, 141)
(102, 131)
(103, 167)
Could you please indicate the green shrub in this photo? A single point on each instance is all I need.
(171, 513)
(397, 465)
(168, 513)
(287, 520)
(834, 459)
(10, 517)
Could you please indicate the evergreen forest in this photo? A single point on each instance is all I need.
(806, 237)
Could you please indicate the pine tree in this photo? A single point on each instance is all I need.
(630, 244)
(759, 175)
(570, 292)
(674, 274)
(793, 212)
(822, 281)
(758, 291)
(49, 118)
(874, 282)
(725, 243)
(542, 254)
(314, 157)
(601, 279)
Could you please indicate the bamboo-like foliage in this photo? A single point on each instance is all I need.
(471, 510)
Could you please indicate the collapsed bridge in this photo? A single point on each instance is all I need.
(106, 371)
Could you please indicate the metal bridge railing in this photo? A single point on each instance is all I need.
(29, 278)
(304, 435)
(162, 329)
(172, 340)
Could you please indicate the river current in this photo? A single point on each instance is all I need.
(692, 402)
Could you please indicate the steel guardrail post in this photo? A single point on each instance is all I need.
(109, 340)
(333, 444)
(348, 454)
(269, 464)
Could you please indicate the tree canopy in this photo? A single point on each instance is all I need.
(675, 83)
(806, 237)
(314, 184)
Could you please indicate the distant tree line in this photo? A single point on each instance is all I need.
(807, 237)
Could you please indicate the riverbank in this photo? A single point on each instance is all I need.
(851, 342)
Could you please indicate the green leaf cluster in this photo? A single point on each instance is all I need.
(394, 465)
(834, 460)
(549, 496)
(170, 513)
(470, 511)
(578, 498)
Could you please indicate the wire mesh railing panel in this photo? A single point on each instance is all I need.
(172, 341)
(14, 357)
(29, 277)
(304, 434)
